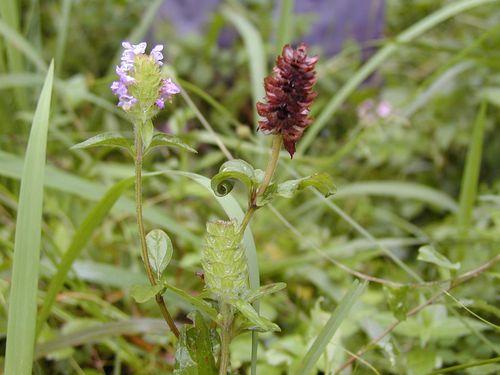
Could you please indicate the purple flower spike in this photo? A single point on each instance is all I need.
(157, 55)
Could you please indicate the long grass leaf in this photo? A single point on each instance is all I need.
(24, 285)
(9, 10)
(285, 25)
(17, 42)
(255, 52)
(10, 166)
(80, 240)
(341, 312)
(62, 32)
(139, 31)
(470, 177)
(380, 57)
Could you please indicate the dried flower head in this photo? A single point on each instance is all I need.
(289, 96)
(141, 89)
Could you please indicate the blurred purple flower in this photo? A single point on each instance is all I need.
(332, 21)
(167, 89)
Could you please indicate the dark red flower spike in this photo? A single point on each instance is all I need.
(289, 96)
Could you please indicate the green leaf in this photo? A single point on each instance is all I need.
(184, 363)
(160, 251)
(147, 130)
(198, 303)
(398, 301)
(321, 181)
(200, 343)
(341, 312)
(107, 139)
(231, 171)
(267, 196)
(143, 293)
(257, 322)
(82, 236)
(265, 290)
(21, 322)
(162, 140)
(430, 255)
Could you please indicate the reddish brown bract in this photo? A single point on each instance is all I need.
(289, 96)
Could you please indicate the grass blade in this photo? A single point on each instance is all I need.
(10, 166)
(139, 32)
(9, 10)
(62, 32)
(341, 312)
(80, 239)
(470, 177)
(379, 58)
(285, 25)
(17, 42)
(22, 303)
(255, 52)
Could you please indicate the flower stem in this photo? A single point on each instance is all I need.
(227, 321)
(270, 169)
(142, 233)
(271, 164)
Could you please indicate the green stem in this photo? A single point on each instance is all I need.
(227, 321)
(272, 163)
(270, 169)
(142, 233)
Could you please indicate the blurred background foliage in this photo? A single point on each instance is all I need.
(396, 147)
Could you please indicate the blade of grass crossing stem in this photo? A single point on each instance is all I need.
(379, 58)
(255, 52)
(9, 10)
(21, 324)
(470, 177)
(285, 25)
(341, 312)
(79, 241)
(233, 210)
(62, 32)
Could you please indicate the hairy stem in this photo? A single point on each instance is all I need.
(142, 233)
(227, 321)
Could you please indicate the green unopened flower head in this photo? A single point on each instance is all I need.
(224, 261)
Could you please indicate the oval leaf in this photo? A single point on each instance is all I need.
(167, 140)
(160, 251)
(232, 170)
(143, 293)
(430, 255)
(106, 139)
(321, 181)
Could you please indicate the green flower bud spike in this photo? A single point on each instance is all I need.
(224, 261)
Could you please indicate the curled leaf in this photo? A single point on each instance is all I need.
(230, 172)
(321, 181)
(160, 251)
(106, 139)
